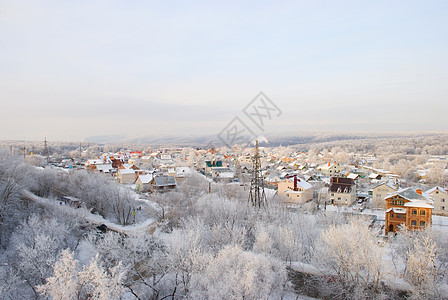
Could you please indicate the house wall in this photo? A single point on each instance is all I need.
(126, 178)
(342, 198)
(299, 198)
(440, 203)
(334, 170)
(418, 215)
(395, 220)
(378, 195)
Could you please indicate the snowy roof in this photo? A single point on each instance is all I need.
(441, 189)
(94, 162)
(272, 178)
(126, 171)
(352, 176)
(418, 203)
(226, 175)
(183, 171)
(397, 210)
(411, 194)
(145, 178)
(389, 184)
(301, 183)
(105, 168)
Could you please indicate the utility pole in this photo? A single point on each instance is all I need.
(257, 196)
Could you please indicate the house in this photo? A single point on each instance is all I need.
(212, 164)
(163, 183)
(223, 174)
(143, 182)
(128, 166)
(440, 197)
(272, 180)
(330, 169)
(375, 176)
(117, 161)
(126, 176)
(92, 163)
(183, 172)
(171, 171)
(353, 176)
(71, 201)
(408, 207)
(134, 161)
(380, 191)
(342, 191)
(297, 190)
(105, 168)
(245, 160)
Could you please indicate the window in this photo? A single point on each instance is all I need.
(443, 207)
(391, 215)
(443, 199)
(339, 198)
(422, 223)
(422, 213)
(414, 223)
(414, 211)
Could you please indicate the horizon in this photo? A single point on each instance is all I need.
(72, 71)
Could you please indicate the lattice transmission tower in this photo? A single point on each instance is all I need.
(257, 196)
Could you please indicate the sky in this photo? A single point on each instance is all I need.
(75, 69)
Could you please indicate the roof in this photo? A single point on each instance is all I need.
(301, 183)
(226, 175)
(410, 194)
(94, 162)
(352, 176)
(183, 171)
(145, 178)
(341, 185)
(214, 163)
(164, 180)
(437, 188)
(126, 171)
(397, 210)
(389, 184)
(105, 168)
(419, 203)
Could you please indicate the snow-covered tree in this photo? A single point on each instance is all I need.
(93, 281)
(238, 274)
(351, 252)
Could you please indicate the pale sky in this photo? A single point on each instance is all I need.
(74, 69)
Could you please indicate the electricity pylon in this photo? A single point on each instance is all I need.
(257, 196)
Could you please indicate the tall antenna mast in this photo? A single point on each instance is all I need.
(257, 196)
(46, 150)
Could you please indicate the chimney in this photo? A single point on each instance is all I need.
(295, 183)
(419, 191)
(328, 164)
